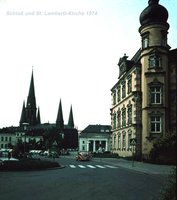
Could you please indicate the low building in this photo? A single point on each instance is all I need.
(6, 139)
(95, 138)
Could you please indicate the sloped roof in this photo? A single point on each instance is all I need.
(97, 129)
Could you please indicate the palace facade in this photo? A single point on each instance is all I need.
(144, 98)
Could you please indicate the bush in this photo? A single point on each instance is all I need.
(164, 150)
(106, 154)
(27, 165)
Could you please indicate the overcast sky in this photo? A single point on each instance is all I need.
(74, 47)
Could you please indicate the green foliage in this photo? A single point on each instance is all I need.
(28, 164)
(52, 135)
(168, 192)
(105, 155)
(164, 150)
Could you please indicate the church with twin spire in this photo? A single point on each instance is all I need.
(31, 120)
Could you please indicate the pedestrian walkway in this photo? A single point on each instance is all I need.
(138, 166)
(93, 166)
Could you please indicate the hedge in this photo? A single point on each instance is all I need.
(27, 165)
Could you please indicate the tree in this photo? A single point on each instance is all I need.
(164, 150)
(52, 135)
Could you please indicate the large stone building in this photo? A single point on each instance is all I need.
(144, 97)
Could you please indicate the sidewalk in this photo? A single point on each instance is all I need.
(143, 167)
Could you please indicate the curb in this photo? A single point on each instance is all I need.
(139, 170)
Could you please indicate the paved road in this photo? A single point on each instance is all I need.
(80, 180)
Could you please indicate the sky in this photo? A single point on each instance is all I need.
(73, 47)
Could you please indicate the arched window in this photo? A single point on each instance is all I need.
(129, 113)
(114, 120)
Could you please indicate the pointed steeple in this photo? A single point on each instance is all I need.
(31, 101)
(31, 104)
(38, 118)
(59, 121)
(23, 115)
(71, 120)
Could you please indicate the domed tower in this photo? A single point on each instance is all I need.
(154, 73)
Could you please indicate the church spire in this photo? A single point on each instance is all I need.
(31, 101)
(59, 121)
(23, 115)
(31, 104)
(71, 120)
(38, 119)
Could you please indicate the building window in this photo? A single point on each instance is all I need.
(154, 61)
(129, 85)
(123, 90)
(129, 137)
(10, 139)
(119, 119)
(124, 141)
(118, 94)
(124, 117)
(155, 95)
(114, 142)
(145, 41)
(114, 120)
(155, 124)
(129, 112)
(2, 138)
(114, 98)
(119, 141)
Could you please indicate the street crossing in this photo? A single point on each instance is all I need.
(92, 166)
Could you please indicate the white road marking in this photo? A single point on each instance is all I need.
(100, 166)
(110, 166)
(91, 166)
(72, 166)
(81, 166)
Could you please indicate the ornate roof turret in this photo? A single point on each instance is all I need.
(154, 12)
(59, 121)
(71, 120)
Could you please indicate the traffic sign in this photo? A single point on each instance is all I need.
(133, 141)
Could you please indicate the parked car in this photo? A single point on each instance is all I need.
(84, 156)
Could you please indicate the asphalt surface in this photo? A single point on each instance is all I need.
(99, 179)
